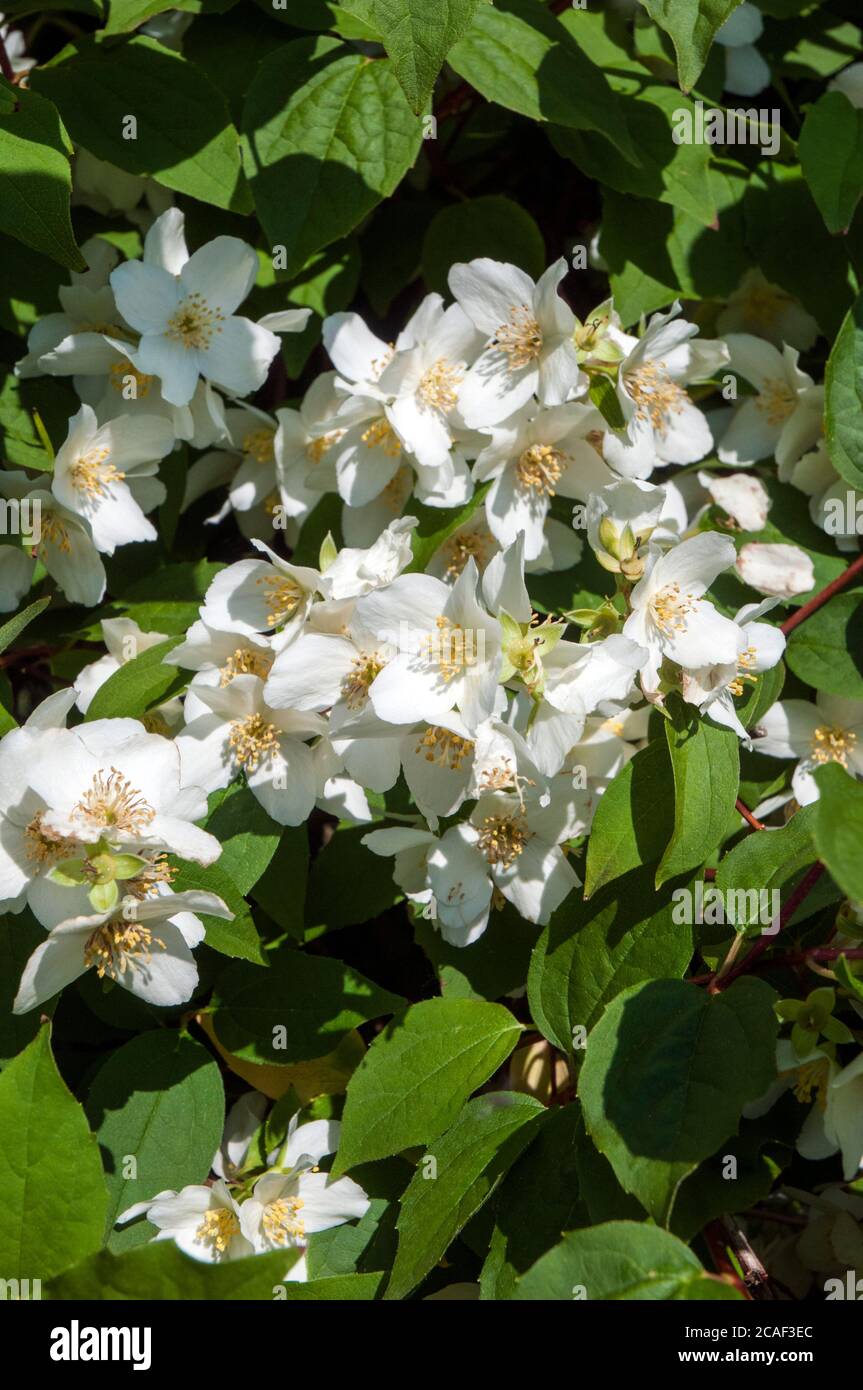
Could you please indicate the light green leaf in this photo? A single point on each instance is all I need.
(762, 863)
(417, 35)
(138, 685)
(248, 836)
(667, 1072)
(184, 136)
(518, 55)
(623, 936)
(705, 764)
(470, 1160)
(831, 156)
(237, 937)
(160, 1101)
(326, 135)
(12, 629)
(692, 26)
(35, 156)
(621, 1261)
(838, 828)
(418, 1073)
(54, 1190)
(314, 999)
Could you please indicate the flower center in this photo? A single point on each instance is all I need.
(502, 839)
(744, 662)
(118, 946)
(776, 400)
(381, 435)
(217, 1229)
(520, 338)
(765, 303)
(656, 396)
(45, 846)
(113, 803)
(283, 597)
(355, 684)
(438, 387)
(452, 648)
(252, 739)
(93, 474)
(459, 549)
(259, 445)
(444, 748)
(832, 745)
(539, 468)
(814, 1076)
(245, 661)
(282, 1221)
(194, 322)
(118, 374)
(54, 532)
(670, 609)
(316, 448)
(144, 884)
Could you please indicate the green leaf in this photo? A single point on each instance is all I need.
(838, 828)
(20, 934)
(692, 26)
(827, 653)
(418, 1073)
(248, 836)
(436, 525)
(518, 55)
(184, 137)
(458, 1174)
(326, 135)
(167, 1274)
(19, 399)
(604, 397)
(298, 1009)
(831, 156)
(11, 630)
(35, 156)
(705, 763)
(488, 226)
(621, 1261)
(238, 937)
(138, 685)
(667, 1072)
(591, 951)
(524, 1228)
(633, 820)
(159, 1101)
(417, 35)
(762, 863)
(332, 899)
(54, 1191)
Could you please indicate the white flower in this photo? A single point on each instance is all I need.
(241, 733)
(184, 311)
(96, 474)
(101, 802)
(203, 1221)
(834, 1123)
(767, 311)
(448, 649)
(528, 328)
(63, 542)
(713, 687)
(269, 595)
(143, 945)
(828, 731)
(423, 381)
(741, 495)
(662, 423)
(776, 569)
(621, 518)
(16, 48)
(217, 656)
(90, 334)
(303, 445)
(761, 424)
(532, 456)
(358, 571)
(746, 72)
(295, 1200)
(670, 616)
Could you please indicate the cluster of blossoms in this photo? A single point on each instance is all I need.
(322, 685)
(248, 1212)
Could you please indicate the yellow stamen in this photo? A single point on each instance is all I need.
(539, 468)
(114, 804)
(118, 946)
(520, 338)
(503, 838)
(444, 748)
(253, 739)
(194, 323)
(439, 385)
(217, 1229)
(656, 396)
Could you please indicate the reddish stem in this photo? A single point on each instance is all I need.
(747, 815)
(826, 593)
(801, 892)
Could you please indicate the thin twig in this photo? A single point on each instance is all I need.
(748, 816)
(801, 892)
(821, 598)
